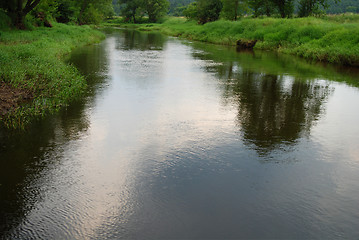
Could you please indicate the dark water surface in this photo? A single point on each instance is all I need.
(181, 140)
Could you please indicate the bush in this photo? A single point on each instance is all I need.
(5, 21)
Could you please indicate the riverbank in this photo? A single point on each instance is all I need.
(34, 79)
(333, 39)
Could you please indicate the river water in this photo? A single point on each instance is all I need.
(183, 140)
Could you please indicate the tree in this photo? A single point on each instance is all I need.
(191, 11)
(67, 11)
(310, 7)
(208, 10)
(131, 9)
(284, 7)
(343, 6)
(177, 6)
(92, 11)
(155, 9)
(261, 7)
(18, 9)
(232, 9)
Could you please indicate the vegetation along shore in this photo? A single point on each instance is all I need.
(329, 39)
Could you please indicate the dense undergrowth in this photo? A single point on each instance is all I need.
(32, 60)
(332, 39)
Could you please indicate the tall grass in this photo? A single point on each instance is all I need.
(33, 61)
(332, 39)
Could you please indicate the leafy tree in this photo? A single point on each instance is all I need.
(18, 9)
(343, 6)
(117, 7)
(310, 7)
(178, 11)
(155, 9)
(191, 11)
(91, 11)
(284, 7)
(232, 9)
(261, 7)
(131, 9)
(208, 10)
(177, 6)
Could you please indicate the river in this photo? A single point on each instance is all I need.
(185, 140)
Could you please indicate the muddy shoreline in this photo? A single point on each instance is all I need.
(11, 98)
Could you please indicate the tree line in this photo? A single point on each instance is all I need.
(343, 6)
(64, 11)
(132, 10)
(210, 10)
(94, 11)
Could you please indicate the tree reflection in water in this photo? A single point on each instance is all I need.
(272, 109)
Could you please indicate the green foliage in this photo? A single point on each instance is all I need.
(208, 10)
(155, 9)
(285, 8)
(261, 7)
(5, 21)
(311, 7)
(232, 9)
(67, 11)
(132, 10)
(30, 60)
(177, 6)
(91, 15)
(91, 11)
(313, 38)
(47, 7)
(343, 6)
(18, 9)
(64, 11)
(178, 11)
(191, 11)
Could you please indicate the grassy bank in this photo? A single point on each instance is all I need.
(332, 39)
(32, 67)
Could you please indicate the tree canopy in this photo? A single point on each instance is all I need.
(79, 11)
(94, 11)
(232, 9)
(343, 6)
(312, 7)
(131, 10)
(18, 9)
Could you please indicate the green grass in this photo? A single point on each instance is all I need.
(33, 60)
(332, 39)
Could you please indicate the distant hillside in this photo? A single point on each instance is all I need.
(343, 6)
(176, 6)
